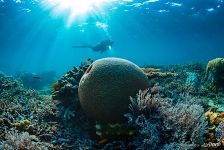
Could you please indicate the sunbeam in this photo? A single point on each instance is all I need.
(72, 9)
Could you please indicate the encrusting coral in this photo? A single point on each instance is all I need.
(105, 88)
(24, 125)
(214, 119)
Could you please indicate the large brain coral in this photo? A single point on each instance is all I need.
(215, 74)
(106, 86)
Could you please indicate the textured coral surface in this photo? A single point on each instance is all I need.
(105, 88)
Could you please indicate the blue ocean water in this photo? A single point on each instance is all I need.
(38, 35)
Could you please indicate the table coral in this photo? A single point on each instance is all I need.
(153, 73)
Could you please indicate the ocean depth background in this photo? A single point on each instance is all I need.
(34, 38)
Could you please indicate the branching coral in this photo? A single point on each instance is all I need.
(162, 117)
(22, 141)
(147, 104)
(19, 103)
(25, 110)
(65, 92)
(187, 122)
(219, 132)
(162, 123)
(178, 146)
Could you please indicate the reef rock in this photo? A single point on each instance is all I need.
(105, 88)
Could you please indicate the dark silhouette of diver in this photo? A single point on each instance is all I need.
(100, 47)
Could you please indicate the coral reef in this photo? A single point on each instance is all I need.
(177, 112)
(185, 78)
(105, 88)
(164, 124)
(156, 73)
(24, 125)
(24, 114)
(215, 74)
(65, 92)
(215, 117)
(192, 81)
(219, 133)
(175, 79)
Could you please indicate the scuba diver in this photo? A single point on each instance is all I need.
(100, 47)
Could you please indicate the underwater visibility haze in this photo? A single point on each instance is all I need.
(38, 35)
(111, 74)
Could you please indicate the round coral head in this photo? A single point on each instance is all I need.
(106, 87)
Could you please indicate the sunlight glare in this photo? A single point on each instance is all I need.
(75, 8)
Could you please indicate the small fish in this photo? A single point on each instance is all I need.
(88, 59)
(36, 77)
(103, 141)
